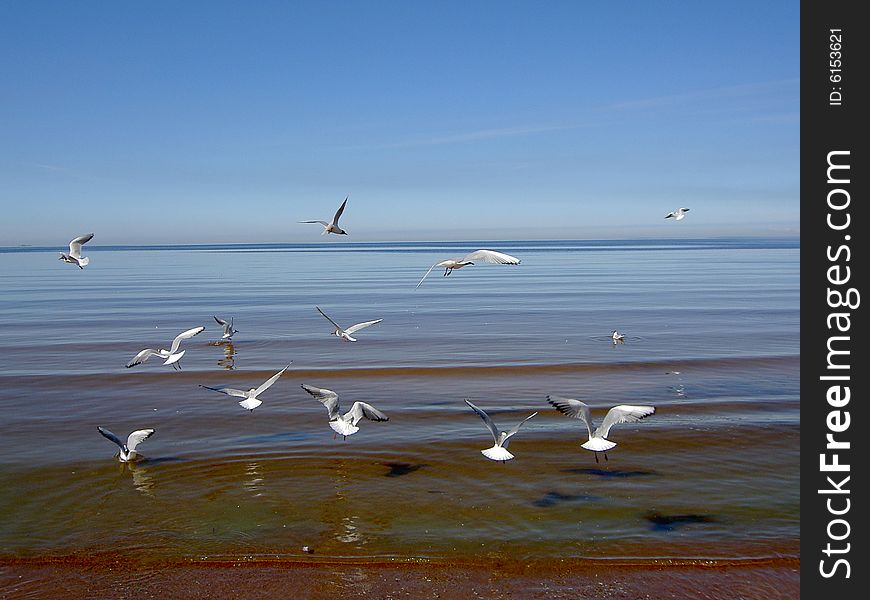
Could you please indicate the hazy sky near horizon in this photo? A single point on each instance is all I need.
(174, 122)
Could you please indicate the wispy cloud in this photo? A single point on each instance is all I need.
(732, 91)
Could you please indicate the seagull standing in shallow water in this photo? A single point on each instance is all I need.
(598, 441)
(489, 256)
(678, 214)
(228, 328)
(250, 401)
(346, 334)
(618, 338)
(499, 451)
(127, 451)
(332, 227)
(345, 424)
(172, 355)
(75, 251)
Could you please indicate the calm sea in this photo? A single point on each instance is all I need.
(712, 341)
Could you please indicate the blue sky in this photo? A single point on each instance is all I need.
(172, 122)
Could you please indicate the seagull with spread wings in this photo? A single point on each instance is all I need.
(598, 441)
(488, 256)
(677, 215)
(127, 452)
(346, 335)
(251, 401)
(332, 227)
(499, 451)
(75, 251)
(228, 328)
(345, 424)
(172, 355)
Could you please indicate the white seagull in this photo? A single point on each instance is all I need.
(490, 256)
(598, 441)
(75, 251)
(345, 424)
(228, 328)
(127, 451)
(617, 337)
(678, 214)
(332, 227)
(251, 401)
(502, 438)
(172, 355)
(346, 334)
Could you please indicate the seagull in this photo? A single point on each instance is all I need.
(598, 441)
(490, 256)
(617, 337)
(75, 251)
(502, 438)
(128, 451)
(678, 214)
(228, 328)
(345, 424)
(172, 355)
(332, 227)
(345, 334)
(250, 401)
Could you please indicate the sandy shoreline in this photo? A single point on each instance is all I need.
(80, 577)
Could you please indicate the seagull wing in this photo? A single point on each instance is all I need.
(75, 246)
(142, 357)
(111, 436)
(221, 322)
(137, 437)
(623, 414)
(427, 273)
(364, 409)
(486, 419)
(324, 223)
(328, 398)
(339, 211)
(268, 383)
(337, 326)
(491, 256)
(185, 335)
(516, 428)
(574, 409)
(358, 326)
(226, 390)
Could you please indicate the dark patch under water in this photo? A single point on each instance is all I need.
(398, 469)
(553, 498)
(670, 522)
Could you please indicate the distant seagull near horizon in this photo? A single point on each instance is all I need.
(499, 451)
(489, 256)
(618, 338)
(345, 424)
(75, 251)
(678, 214)
(251, 401)
(332, 227)
(346, 334)
(228, 328)
(172, 355)
(598, 441)
(127, 452)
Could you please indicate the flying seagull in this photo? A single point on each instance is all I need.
(127, 451)
(251, 401)
(346, 334)
(678, 214)
(598, 441)
(490, 256)
(345, 424)
(228, 328)
(502, 438)
(618, 338)
(332, 227)
(75, 251)
(172, 355)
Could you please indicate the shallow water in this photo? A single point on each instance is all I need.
(712, 340)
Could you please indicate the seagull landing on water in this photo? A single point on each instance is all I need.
(228, 328)
(127, 451)
(489, 256)
(346, 334)
(75, 251)
(345, 424)
(172, 355)
(678, 214)
(251, 401)
(618, 338)
(499, 451)
(332, 227)
(598, 441)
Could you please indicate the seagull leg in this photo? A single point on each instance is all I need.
(605, 456)
(596, 457)
(334, 435)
